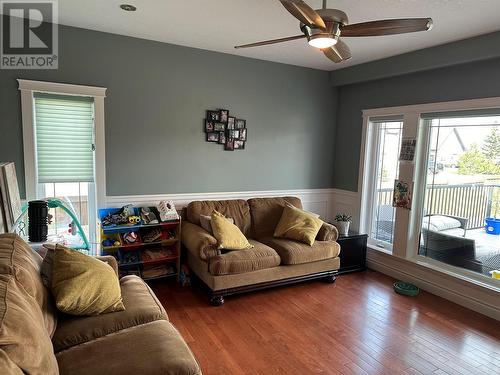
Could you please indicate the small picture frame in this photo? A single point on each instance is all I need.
(240, 123)
(243, 135)
(229, 145)
(239, 145)
(213, 137)
(223, 115)
(219, 127)
(230, 123)
(222, 138)
(209, 126)
(213, 116)
(233, 134)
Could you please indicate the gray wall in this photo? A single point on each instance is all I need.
(466, 81)
(157, 97)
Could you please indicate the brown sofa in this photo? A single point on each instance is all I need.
(35, 339)
(271, 262)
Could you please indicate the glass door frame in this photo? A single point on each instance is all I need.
(408, 222)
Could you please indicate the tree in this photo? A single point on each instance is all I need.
(473, 161)
(491, 146)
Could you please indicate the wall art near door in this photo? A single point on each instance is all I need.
(229, 131)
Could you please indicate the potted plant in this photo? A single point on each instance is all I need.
(342, 222)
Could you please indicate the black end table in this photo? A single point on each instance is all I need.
(352, 252)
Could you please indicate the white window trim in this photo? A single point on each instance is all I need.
(407, 229)
(27, 88)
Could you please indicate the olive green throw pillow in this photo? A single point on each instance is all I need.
(299, 225)
(227, 234)
(83, 285)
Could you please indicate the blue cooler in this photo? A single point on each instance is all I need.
(492, 225)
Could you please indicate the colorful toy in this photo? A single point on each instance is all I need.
(107, 243)
(116, 243)
(130, 237)
(134, 219)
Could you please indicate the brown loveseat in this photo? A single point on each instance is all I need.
(272, 261)
(35, 339)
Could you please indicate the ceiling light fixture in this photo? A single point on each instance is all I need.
(128, 7)
(322, 41)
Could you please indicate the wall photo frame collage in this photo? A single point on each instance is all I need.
(225, 130)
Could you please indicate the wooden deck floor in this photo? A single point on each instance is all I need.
(356, 326)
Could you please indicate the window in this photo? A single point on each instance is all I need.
(386, 139)
(64, 153)
(454, 221)
(63, 136)
(462, 185)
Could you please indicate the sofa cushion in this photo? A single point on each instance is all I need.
(7, 366)
(238, 210)
(293, 252)
(240, 261)
(299, 225)
(149, 349)
(228, 235)
(206, 223)
(266, 213)
(440, 223)
(23, 336)
(83, 285)
(141, 306)
(18, 257)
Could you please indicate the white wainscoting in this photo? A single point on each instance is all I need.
(319, 201)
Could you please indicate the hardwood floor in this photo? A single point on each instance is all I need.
(356, 326)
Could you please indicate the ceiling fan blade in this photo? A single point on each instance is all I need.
(272, 41)
(338, 53)
(387, 27)
(304, 13)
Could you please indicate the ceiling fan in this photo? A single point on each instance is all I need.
(324, 27)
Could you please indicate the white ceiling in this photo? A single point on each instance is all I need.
(218, 25)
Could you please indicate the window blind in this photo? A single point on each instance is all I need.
(64, 129)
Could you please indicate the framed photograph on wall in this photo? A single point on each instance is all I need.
(230, 123)
(209, 126)
(240, 123)
(243, 134)
(233, 134)
(222, 138)
(229, 146)
(219, 127)
(223, 115)
(213, 137)
(213, 115)
(239, 145)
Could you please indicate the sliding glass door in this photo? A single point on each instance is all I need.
(461, 205)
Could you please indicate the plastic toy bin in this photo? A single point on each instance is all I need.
(492, 225)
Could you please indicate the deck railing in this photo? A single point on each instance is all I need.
(472, 201)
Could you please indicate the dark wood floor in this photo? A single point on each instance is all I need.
(356, 326)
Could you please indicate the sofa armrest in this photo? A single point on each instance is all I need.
(111, 260)
(198, 241)
(327, 232)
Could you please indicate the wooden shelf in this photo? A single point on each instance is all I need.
(135, 251)
(168, 242)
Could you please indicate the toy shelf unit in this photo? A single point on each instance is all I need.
(146, 247)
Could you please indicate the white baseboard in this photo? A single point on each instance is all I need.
(482, 299)
(319, 201)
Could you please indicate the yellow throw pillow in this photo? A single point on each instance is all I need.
(299, 225)
(83, 285)
(227, 234)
